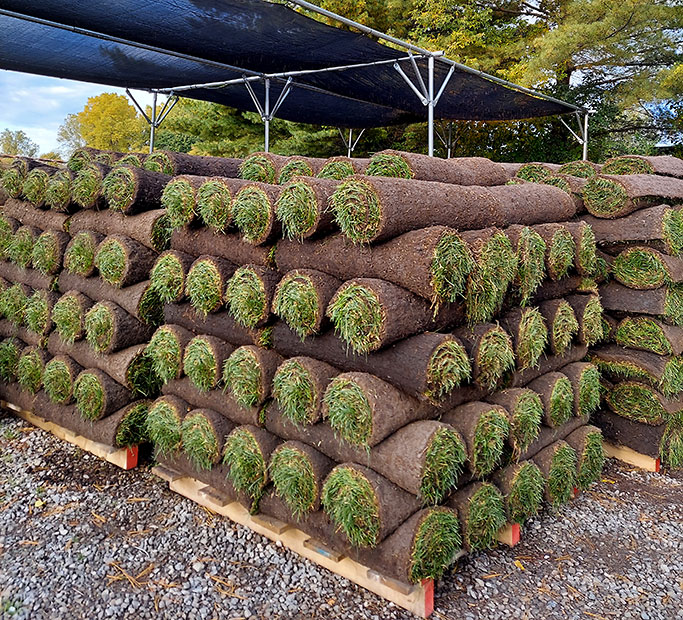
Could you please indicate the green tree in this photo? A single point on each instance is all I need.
(69, 136)
(108, 121)
(51, 155)
(17, 143)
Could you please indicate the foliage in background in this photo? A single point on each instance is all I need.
(17, 143)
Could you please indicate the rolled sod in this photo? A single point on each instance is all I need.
(557, 394)
(567, 286)
(214, 201)
(151, 228)
(562, 324)
(59, 376)
(302, 208)
(13, 301)
(300, 300)
(647, 334)
(109, 328)
(246, 453)
(68, 315)
(536, 172)
(299, 384)
(79, 256)
(131, 159)
(665, 165)
(206, 281)
(530, 250)
(491, 350)
(97, 395)
(8, 330)
(8, 226)
(525, 413)
(130, 367)
(587, 443)
(10, 349)
(646, 268)
(58, 195)
(481, 510)
(249, 294)
(581, 168)
(558, 464)
(522, 486)
(20, 248)
(179, 199)
(371, 209)
(263, 167)
(549, 363)
(48, 251)
(427, 365)
(12, 273)
(585, 379)
(254, 213)
(163, 423)
(588, 312)
(35, 185)
(664, 302)
(170, 162)
(203, 361)
(202, 436)
(82, 156)
(459, 170)
(369, 314)
(87, 190)
(28, 215)
(121, 261)
(560, 249)
(586, 260)
(12, 182)
(166, 350)
(339, 167)
(297, 166)
(38, 311)
(228, 246)
(529, 333)
(248, 374)
(30, 368)
(431, 262)
(365, 506)
(130, 190)
(612, 196)
(167, 276)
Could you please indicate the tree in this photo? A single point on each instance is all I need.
(51, 155)
(69, 136)
(17, 143)
(109, 122)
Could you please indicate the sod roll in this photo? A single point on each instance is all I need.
(30, 368)
(562, 324)
(58, 195)
(163, 423)
(557, 394)
(647, 334)
(121, 261)
(79, 256)
(581, 168)
(109, 328)
(587, 443)
(665, 165)
(28, 215)
(203, 433)
(588, 312)
(525, 413)
(68, 315)
(481, 510)
(664, 302)
(35, 185)
(248, 374)
(214, 200)
(228, 246)
(205, 283)
(13, 302)
(645, 268)
(254, 213)
(48, 251)
(491, 350)
(203, 360)
(10, 348)
(170, 162)
(585, 379)
(522, 486)
(558, 464)
(97, 395)
(167, 276)
(8, 226)
(529, 333)
(298, 166)
(86, 189)
(166, 349)
(179, 199)
(20, 249)
(340, 167)
(129, 190)
(58, 379)
(249, 294)
(560, 249)
(530, 249)
(262, 167)
(302, 208)
(38, 311)
(536, 172)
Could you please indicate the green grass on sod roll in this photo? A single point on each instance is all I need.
(337, 170)
(444, 462)
(295, 392)
(673, 304)
(296, 303)
(348, 411)
(265, 338)
(533, 172)
(561, 254)
(349, 500)
(199, 441)
(6, 235)
(141, 378)
(533, 338)
(214, 205)
(132, 159)
(530, 263)
(495, 269)
(161, 233)
(258, 168)
(296, 209)
(558, 182)
(251, 211)
(13, 182)
(86, 186)
(159, 162)
(490, 434)
(627, 165)
(452, 264)
(587, 258)
(564, 327)
(132, 430)
(35, 186)
(178, 198)
(672, 231)
(526, 493)
(21, 247)
(151, 308)
(111, 261)
(604, 196)
(449, 367)
(80, 256)
(89, 396)
(671, 446)
(640, 268)
(593, 330)
(57, 381)
(9, 359)
(67, 317)
(562, 475)
(30, 371)
(200, 364)
(486, 516)
(99, 327)
(356, 210)
(242, 375)
(589, 390)
(580, 169)
(118, 188)
(644, 333)
(245, 297)
(294, 479)
(627, 370)
(203, 286)
(357, 316)
(59, 188)
(636, 402)
(167, 277)
(561, 402)
(163, 427)
(436, 543)
(526, 420)
(388, 165)
(248, 470)
(166, 355)
(14, 303)
(45, 253)
(294, 168)
(496, 358)
(591, 461)
(37, 313)
(79, 159)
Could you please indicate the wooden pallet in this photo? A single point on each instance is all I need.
(125, 458)
(630, 456)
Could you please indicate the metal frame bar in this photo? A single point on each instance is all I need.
(350, 144)
(265, 111)
(157, 118)
(583, 130)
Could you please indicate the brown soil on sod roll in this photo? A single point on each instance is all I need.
(83, 264)
(182, 163)
(402, 205)
(551, 363)
(12, 393)
(220, 270)
(622, 300)
(143, 195)
(302, 207)
(671, 336)
(139, 260)
(7, 330)
(115, 395)
(405, 364)
(30, 277)
(127, 330)
(146, 228)
(573, 284)
(402, 314)
(458, 170)
(666, 165)
(219, 401)
(230, 247)
(652, 269)
(545, 387)
(643, 438)
(472, 339)
(216, 477)
(28, 215)
(268, 280)
(219, 324)
(584, 307)
(511, 169)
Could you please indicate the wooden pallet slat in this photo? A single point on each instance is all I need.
(630, 456)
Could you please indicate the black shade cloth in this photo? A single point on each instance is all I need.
(231, 38)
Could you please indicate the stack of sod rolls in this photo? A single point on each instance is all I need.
(393, 364)
(632, 206)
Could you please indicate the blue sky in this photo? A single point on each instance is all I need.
(39, 105)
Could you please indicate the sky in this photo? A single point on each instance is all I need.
(39, 105)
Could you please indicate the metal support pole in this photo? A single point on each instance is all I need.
(266, 118)
(585, 136)
(450, 140)
(430, 115)
(153, 124)
(349, 144)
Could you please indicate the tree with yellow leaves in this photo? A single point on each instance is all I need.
(109, 122)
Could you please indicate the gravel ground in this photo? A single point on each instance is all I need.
(80, 538)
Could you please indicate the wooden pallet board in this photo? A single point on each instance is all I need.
(125, 458)
(630, 456)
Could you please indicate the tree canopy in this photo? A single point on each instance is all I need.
(17, 143)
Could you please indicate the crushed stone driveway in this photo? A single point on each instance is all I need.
(80, 538)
